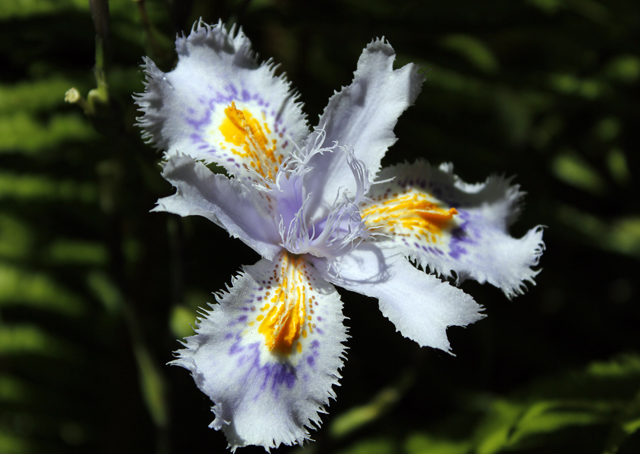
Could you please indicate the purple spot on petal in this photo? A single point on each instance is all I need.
(459, 237)
(200, 123)
(457, 252)
(236, 348)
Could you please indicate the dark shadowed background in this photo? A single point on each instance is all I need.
(95, 290)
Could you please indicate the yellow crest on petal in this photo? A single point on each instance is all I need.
(286, 316)
(284, 321)
(251, 140)
(410, 213)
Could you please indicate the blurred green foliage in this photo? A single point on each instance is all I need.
(94, 289)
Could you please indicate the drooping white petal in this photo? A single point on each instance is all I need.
(268, 354)
(447, 225)
(361, 117)
(420, 305)
(243, 211)
(218, 105)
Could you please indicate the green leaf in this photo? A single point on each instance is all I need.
(12, 444)
(618, 166)
(153, 386)
(620, 235)
(105, 291)
(569, 167)
(428, 444)
(182, 321)
(37, 290)
(67, 251)
(33, 96)
(13, 389)
(493, 434)
(604, 394)
(10, 9)
(380, 404)
(31, 339)
(21, 131)
(375, 446)
(474, 50)
(624, 68)
(16, 238)
(38, 187)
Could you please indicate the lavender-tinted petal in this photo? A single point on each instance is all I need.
(361, 117)
(475, 243)
(420, 305)
(242, 210)
(189, 110)
(266, 395)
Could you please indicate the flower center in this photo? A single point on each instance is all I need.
(410, 213)
(285, 313)
(242, 129)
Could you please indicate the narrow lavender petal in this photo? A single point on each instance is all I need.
(361, 117)
(242, 210)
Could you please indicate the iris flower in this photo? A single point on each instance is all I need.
(321, 213)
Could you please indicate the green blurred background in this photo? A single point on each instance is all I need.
(95, 290)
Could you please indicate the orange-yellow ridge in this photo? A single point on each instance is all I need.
(284, 322)
(410, 211)
(240, 128)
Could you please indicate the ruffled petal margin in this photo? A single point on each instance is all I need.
(447, 225)
(242, 210)
(269, 353)
(420, 305)
(218, 105)
(361, 117)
